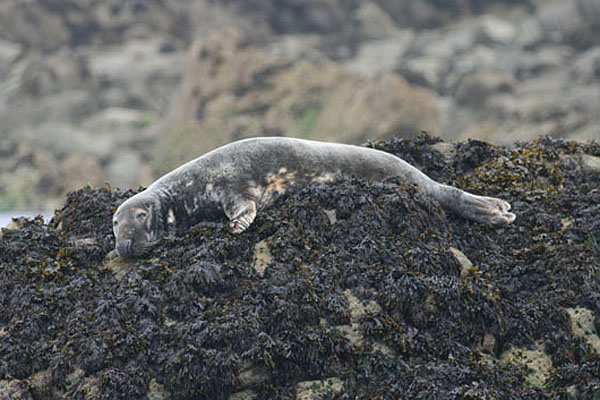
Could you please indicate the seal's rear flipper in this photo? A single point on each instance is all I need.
(486, 210)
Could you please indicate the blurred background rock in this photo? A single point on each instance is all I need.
(121, 91)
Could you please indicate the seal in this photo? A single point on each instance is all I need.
(243, 177)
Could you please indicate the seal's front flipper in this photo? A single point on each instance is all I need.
(241, 211)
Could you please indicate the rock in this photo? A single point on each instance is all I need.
(297, 46)
(62, 139)
(253, 376)
(262, 257)
(478, 58)
(445, 43)
(64, 108)
(148, 75)
(446, 149)
(156, 391)
(289, 16)
(492, 30)
(119, 266)
(319, 389)
(374, 23)
(124, 169)
(429, 59)
(29, 178)
(529, 33)
(32, 24)
(331, 216)
(546, 105)
(589, 11)
(425, 71)
(78, 22)
(419, 14)
(488, 343)
(557, 18)
(377, 56)
(537, 361)
(433, 14)
(75, 377)
(115, 62)
(116, 119)
(78, 170)
(488, 131)
(90, 388)
(243, 395)
(466, 266)
(14, 389)
(352, 332)
(590, 164)
(42, 74)
(582, 324)
(33, 178)
(337, 294)
(585, 68)
(132, 128)
(40, 384)
(528, 65)
(587, 132)
(474, 89)
(8, 53)
(231, 91)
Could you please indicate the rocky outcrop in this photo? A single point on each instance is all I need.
(231, 90)
(33, 179)
(346, 289)
(50, 25)
(80, 83)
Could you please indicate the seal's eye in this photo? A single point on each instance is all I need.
(141, 215)
(115, 223)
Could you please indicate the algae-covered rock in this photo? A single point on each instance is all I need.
(345, 290)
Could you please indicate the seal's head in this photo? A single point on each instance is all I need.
(135, 225)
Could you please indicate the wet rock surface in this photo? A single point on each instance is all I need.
(389, 298)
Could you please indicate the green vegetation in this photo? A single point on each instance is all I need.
(308, 120)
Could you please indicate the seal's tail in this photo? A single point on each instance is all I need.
(483, 209)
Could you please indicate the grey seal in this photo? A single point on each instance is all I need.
(243, 177)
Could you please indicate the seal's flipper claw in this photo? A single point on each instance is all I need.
(236, 226)
(241, 212)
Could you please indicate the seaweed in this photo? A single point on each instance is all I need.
(361, 284)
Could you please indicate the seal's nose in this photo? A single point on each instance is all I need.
(123, 248)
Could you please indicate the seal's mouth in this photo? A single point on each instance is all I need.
(128, 249)
(123, 248)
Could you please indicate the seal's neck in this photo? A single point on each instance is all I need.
(180, 209)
